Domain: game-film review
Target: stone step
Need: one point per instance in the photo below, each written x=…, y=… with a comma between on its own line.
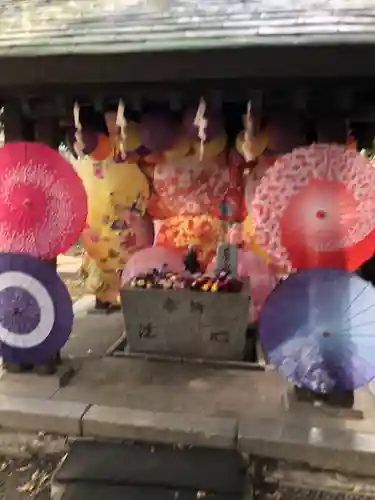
x=296, y=481
x=104, y=491
x=211, y=470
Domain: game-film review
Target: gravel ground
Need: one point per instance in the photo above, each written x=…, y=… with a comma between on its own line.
x=27, y=462
x=26, y=479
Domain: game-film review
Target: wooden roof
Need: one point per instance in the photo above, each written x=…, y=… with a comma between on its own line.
x=87, y=27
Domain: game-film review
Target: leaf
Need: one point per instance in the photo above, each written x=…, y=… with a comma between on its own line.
x=4, y=466
x=24, y=468
x=27, y=487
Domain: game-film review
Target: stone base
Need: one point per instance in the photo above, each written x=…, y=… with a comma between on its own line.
x=292, y=403
x=186, y=323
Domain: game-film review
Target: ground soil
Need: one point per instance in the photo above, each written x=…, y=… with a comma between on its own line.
x=26, y=479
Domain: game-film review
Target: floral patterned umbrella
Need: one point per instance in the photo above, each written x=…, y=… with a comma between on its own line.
x=113, y=245
x=316, y=208
x=43, y=204
x=190, y=186
x=203, y=231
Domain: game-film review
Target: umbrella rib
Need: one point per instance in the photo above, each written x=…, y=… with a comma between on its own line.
x=359, y=313
x=356, y=298
x=359, y=335
x=354, y=326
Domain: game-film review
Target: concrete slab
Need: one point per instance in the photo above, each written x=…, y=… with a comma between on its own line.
x=200, y=390
x=293, y=404
x=326, y=448
x=175, y=387
x=139, y=385
x=68, y=265
x=31, y=414
x=31, y=385
x=154, y=427
x=84, y=305
x=92, y=336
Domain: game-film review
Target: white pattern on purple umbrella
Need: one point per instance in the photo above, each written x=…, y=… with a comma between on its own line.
x=36, y=312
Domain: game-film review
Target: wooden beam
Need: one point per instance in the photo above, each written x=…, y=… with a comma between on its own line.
x=283, y=62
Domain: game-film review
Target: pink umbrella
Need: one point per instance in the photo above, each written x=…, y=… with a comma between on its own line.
x=43, y=203
x=235, y=234
x=152, y=258
x=140, y=232
x=261, y=279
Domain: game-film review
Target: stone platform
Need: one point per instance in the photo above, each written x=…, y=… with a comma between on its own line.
x=182, y=403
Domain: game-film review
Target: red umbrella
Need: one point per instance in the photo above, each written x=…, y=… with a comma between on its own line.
x=316, y=208
x=43, y=204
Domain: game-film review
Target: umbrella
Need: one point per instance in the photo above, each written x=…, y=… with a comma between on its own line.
x=112, y=246
x=158, y=131
x=36, y=311
x=203, y=231
x=180, y=149
x=242, y=234
x=317, y=329
x=212, y=148
x=258, y=143
x=255, y=176
x=152, y=258
x=43, y=204
x=252, y=267
x=111, y=187
x=190, y=186
x=315, y=207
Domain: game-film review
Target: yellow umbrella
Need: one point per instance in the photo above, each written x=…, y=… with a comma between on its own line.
x=111, y=187
x=104, y=284
x=249, y=241
x=179, y=150
x=112, y=246
x=105, y=247
x=212, y=148
x=99, y=204
x=258, y=143
x=127, y=186
x=133, y=139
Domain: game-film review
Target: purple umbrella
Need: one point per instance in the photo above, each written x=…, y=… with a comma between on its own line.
x=317, y=328
x=158, y=131
x=141, y=151
x=89, y=138
x=36, y=311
